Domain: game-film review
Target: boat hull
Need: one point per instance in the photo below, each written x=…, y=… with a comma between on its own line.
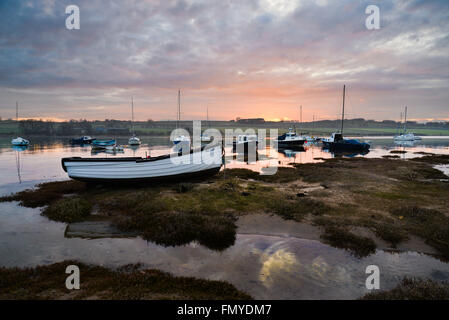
x=135, y=169
x=103, y=143
x=81, y=141
x=291, y=143
x=345, y=146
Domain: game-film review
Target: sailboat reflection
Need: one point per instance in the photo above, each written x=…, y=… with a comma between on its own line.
x=17, y=151
x=404, y=143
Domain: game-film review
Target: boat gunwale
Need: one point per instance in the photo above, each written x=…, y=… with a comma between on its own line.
x=133, y=159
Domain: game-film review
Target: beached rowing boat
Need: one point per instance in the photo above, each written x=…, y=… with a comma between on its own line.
x=178, y=167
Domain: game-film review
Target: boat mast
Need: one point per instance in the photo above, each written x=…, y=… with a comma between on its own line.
x=405, y=120
x=343, y=113
x=17, y=118
x=300, y=117
x=178, y=116
x=132, y=115
x=313, y=124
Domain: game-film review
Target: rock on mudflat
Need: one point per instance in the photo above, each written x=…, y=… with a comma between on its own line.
x=95, y=230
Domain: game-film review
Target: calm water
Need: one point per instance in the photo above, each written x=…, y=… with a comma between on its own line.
x=277, y=265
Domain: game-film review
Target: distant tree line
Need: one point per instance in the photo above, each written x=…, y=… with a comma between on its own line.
x=150, y=127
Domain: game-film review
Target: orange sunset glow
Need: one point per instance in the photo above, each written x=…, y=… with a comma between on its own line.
x=236, y=59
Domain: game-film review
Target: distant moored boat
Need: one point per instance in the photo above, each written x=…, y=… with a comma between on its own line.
x=406, y=136
x=83, y=140
x=19, y=141
x=337, y=143
x=290, y=139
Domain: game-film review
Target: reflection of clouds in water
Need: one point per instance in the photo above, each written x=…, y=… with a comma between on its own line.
x=319, y=267
x=277, y=266
x=323, y=273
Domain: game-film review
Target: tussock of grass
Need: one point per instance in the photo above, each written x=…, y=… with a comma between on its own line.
x=341, y=238
x=128, y=282
x=178, y=228
x=45, y=193
x=413, y=289
x=432, y=225
x=68, y=210
x=434, y=159
x=390, y=233
x=297, y=209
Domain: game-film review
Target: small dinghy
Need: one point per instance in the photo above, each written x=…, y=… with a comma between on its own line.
x=102, y=144
x=178, y=167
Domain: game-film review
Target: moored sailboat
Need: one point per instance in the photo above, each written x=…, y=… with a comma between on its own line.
x=406, y=136
x=337, y=142
x=133, y=141
x=19, y=141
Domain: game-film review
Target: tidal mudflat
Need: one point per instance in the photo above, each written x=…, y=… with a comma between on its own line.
x=307, y=232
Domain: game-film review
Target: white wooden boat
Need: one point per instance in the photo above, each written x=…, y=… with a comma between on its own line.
x=197, y=163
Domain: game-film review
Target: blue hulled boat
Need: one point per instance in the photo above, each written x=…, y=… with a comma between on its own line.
x=103, y=143
x=83, y=140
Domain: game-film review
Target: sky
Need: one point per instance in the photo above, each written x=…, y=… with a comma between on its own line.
x=242, y=58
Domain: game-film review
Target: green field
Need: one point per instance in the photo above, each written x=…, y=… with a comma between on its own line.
x=164, y=128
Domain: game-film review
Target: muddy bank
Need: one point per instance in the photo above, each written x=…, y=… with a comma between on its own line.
x=97, y=283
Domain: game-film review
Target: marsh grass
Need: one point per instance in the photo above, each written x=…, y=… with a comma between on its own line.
x=432, y=225
x=413, y=289
x=341, y=238
x=68, y=210
x=128, y=282
x=297, y=209
x=45, y=193
x=433, y=159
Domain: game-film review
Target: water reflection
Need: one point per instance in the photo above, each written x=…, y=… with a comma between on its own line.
x=41, y=161
x=17, y=151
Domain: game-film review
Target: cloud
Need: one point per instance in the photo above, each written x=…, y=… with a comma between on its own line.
x=239, y=58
